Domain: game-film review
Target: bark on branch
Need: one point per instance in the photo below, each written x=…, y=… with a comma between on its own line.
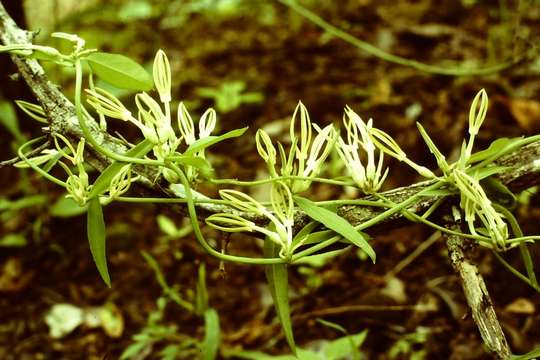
x=477, y=295
x=523, y=171
x=524, y=164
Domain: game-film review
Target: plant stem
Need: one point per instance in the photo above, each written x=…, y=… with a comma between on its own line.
x=370, y=49
x=200, y=237
x=279, y=178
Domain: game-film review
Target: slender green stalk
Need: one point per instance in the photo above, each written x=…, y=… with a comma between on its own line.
x=157, y=200
x=36, y=168
x=397, y=207
x=279, y=178
x=359, y=202
x=523, y=249
x=367, y=47
x=425, y=221
x=199, y=235
x=516, y=272
x=313, y=249
x=432, y=208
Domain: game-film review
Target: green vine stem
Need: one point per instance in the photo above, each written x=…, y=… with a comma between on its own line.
x=34, y=167
x=199, y=235
x=375, y=51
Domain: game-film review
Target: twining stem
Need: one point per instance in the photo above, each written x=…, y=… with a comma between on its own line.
x=514, y=271
x=280, y=178
x=39, y=170
x=199, y=235
x=373, y=221
x=158, y=200
x=375, y=51
x=523, y=249
x=397, y=207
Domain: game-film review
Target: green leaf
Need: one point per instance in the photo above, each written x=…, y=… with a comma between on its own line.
x=303, y=234
x=345, y=346
x=319, y=236
x=278, y=282
x=201, y=297
x=66, y=207
x=166, y=225
x=497, y=146
x=134, y=350
x=135, y=10
x=103, y=182
x=332, y=325
x=13, y=240
x=8, y=117
x=96, y=238
x=488, y=171
x=203, y=143
x=120, y=71
x=336, y=223
x=25, y=202
x=258, y=355
x=340, y=348
x=211, y=340
x=195, y=161
x=170, y=352
x=534, y=354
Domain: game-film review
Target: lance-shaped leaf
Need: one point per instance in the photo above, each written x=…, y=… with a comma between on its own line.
x=336, y=223
x=120, y=71
x=203, y=143
x=497, y=147
x=96, y=238
x=212, y=336
x=195, y=161
x=441, y=159
x=278, y=282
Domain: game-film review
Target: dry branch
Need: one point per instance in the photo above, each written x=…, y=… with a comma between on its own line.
x=523, y=172
x=477, y=295
x=524, y=164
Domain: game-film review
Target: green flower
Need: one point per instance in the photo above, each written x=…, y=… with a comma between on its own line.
x=281, y=217
x=370, y=177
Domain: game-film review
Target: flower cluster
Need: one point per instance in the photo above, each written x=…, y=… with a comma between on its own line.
x=77, y=185
x=370, y=177
x=305, y=157
x=474, y=200
x=154, y=120
x=281, y=218
x=476, y=204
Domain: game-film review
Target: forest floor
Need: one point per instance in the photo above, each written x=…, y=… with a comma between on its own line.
x=416, y=311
